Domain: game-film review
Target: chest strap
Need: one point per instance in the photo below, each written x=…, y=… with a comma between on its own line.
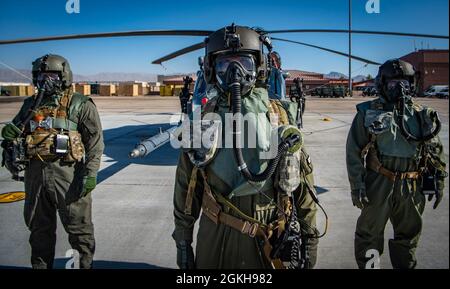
x=250, y=227
x=369, y=153
x=190, y=192
x=64, y=123
x=275, y=107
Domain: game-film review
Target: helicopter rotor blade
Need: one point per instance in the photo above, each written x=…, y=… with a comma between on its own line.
x=358, y=32
x=177, y=53
x=327, y=49
x=112, y=34
x=205, y=33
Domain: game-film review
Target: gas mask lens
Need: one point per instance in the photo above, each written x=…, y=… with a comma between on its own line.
x=246, y=62
x=393, y=84
x=47, y=76
x=232, y=68
x=49, y=82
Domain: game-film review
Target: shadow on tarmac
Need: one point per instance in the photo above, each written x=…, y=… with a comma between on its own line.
x=60, y=263
x=120, y=141
x=321, y=190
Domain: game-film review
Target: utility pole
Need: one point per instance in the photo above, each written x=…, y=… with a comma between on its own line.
x=350, y=82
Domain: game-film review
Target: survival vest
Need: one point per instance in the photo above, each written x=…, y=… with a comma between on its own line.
x=53, y=131
x=386, y=138
x=267, y=222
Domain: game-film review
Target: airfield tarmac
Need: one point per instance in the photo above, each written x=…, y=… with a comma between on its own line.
x=132, y=205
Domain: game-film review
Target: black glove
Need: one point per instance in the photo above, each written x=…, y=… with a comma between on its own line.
x=185, y=255
x=438, y=198
x=359, y=198
x=7, y=157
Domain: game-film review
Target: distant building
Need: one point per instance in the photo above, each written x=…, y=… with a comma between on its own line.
x=82, y=88
x=175, y=79
x=16, y=89
x=172, y=84
x=432, y=66
x=364, y=84
x=311, y=80
x=107, y=89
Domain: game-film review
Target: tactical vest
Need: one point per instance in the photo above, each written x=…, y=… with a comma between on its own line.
x=53, y=131
x=257, y=108
x=383, y=125
x=386, y=138
x=268, y=221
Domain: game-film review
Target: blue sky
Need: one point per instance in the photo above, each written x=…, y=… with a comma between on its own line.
x=26, y=18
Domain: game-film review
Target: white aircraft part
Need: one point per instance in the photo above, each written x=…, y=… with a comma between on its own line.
x=152, y=143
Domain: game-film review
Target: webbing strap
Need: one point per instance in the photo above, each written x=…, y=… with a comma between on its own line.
x=190, y=192
x=368, y=146
x=250, y=226
x=215, y=199
x=64, y=105
x=275, y=107
x=64, y=123
x=374, y=164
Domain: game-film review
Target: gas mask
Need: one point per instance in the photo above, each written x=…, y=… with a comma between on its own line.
x=396, y=88
x=50, y=83
x=230, y=68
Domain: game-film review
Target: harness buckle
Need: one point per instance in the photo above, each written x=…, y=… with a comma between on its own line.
x=396, y=175
x=249, y=229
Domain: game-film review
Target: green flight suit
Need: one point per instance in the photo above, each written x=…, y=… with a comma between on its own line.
x=402, y=202
x=55, y=186
x=220, y=246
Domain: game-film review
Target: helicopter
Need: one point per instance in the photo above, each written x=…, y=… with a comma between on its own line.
x=266, y=36
x=276, y=75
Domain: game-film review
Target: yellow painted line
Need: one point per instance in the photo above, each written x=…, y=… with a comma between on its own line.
x=12, y=197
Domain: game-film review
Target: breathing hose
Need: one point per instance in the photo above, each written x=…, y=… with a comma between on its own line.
x=407, y=134
x=21, y=125
x=236, y=102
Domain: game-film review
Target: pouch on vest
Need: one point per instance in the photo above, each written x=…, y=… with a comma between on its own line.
x=289, y=172
x=76, y=147
x=53, y=135
x=429, y=182
x=41, y=144
x=378, y=121
x=390, y=141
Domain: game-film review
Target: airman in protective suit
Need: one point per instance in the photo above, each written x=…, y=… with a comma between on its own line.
x=276, y=81
x=57, y=139
x=394, y=159
x=257, y=212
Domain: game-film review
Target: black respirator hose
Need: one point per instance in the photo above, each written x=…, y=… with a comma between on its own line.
x=237, y=131
x=36, y=104
x=407, y=134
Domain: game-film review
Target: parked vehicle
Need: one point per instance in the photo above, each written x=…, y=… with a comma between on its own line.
x=369, y=91
x=340, y=91
x=434, y=90
x=443, y=93
x=4, y=92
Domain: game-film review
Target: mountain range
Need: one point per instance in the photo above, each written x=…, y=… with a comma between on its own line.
x=338, y=75
x=11, y=76
x=24, y=76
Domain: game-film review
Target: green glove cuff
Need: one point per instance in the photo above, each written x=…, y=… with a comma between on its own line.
x=10, y=132
x=89, y=184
